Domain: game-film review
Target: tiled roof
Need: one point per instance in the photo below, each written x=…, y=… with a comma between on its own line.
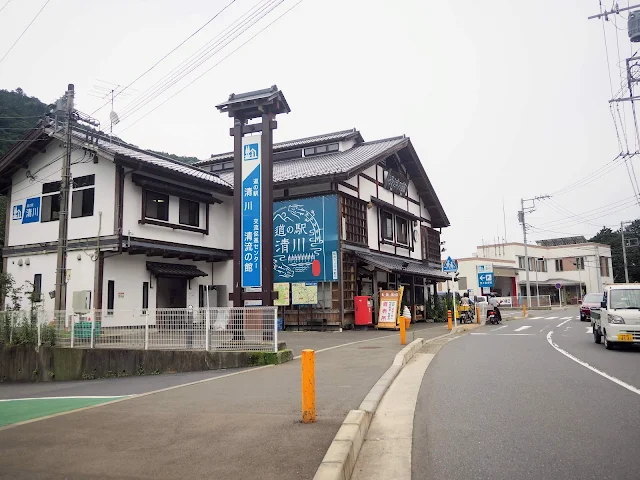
x=330, y=163
x=401, y=265
x=175, y=270
x=119, y=148
x=289, y=144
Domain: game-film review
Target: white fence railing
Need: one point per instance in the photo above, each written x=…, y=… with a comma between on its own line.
x=248, y=328
x=518, y=302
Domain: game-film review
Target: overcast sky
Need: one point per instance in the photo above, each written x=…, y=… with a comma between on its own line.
x=501, y=99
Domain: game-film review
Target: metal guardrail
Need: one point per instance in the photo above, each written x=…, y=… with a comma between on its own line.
x=222, y=329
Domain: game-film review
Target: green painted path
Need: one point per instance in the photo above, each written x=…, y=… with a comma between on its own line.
x=19, y=410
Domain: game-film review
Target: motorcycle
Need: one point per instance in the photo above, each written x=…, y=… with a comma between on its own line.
x=492, y=317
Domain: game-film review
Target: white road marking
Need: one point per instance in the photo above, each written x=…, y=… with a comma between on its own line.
x=524, y=327
x=631, y=388
x=551, y=318
x=535, y=318
x=516, y=334
x=478, y=333
x=544, y=328
x=589, y=329
x=560, y=324
x=66, y=398
x=499, y=328
x=565, y=318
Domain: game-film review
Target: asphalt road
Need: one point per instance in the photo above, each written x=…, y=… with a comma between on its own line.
x=242, y=425
x=502, y=402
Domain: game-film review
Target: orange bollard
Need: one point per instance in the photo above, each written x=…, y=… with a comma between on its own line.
x=308, y=386
x=403, y=331
x=524, y=310
x=477, y=314
x=449, y=319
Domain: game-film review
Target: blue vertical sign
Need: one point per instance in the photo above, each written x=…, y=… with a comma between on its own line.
x=251, y=212
x=31, y=210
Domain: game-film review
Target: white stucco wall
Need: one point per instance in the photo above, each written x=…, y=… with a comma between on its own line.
x=81, y=274
x=83, y=227
x=220, y=218
x=130, y=271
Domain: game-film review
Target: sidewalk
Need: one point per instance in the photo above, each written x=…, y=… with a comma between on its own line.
x=237, y=426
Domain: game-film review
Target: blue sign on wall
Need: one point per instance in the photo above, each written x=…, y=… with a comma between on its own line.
x=27, y=213
x=251, y=212
x=305, y=239
x=485, y=279
x=31, y=210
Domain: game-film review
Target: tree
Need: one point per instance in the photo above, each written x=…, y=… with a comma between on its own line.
x=613, y=238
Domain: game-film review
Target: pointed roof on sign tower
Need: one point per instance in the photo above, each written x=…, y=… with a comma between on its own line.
x=253, y=104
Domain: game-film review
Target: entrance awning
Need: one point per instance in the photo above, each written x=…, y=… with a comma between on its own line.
x=175, y=270
x=401, y=265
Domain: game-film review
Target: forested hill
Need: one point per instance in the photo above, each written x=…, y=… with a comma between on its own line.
x=18, y=113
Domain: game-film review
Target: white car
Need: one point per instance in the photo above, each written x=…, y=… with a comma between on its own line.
x=618, y=319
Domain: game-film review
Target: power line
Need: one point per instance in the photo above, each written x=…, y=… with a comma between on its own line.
x=216, y=64
x=200, y=57
x=595, y=175
x=25, y=30
x=5, y=6
x=173, y=50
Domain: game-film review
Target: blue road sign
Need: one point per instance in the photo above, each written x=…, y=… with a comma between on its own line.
x=449, y=266
x=485, y=280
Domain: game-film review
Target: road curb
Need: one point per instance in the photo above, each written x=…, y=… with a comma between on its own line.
x=340, y=459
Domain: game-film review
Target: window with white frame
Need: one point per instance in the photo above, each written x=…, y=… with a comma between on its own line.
x=386, y=221
x=50, y=209
x=402, y=230
x=83, y=196
x=559, y=265
x=520, y=262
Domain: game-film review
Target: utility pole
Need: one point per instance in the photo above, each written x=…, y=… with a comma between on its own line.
x=521, y=218
x=61, y=264
x=624, y=254
x=599, y=269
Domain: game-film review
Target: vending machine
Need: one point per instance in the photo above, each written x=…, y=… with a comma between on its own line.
x=364, y=310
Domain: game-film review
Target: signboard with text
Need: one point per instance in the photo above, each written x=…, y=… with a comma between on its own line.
x=304, y=293
x=485, y=280
x=251, y=212
x=305, y=239
x=27, y=213
x=389, y=311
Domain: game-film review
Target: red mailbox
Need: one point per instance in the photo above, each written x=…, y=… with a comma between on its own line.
x=364, y=310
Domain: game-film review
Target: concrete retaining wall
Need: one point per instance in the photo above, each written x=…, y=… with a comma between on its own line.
x=30, y=364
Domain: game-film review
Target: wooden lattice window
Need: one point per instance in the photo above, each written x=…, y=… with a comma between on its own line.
x=430, y=245
x=354, y=213
x=349, y=281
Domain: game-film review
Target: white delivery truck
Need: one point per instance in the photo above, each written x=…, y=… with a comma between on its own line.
x=618, y=319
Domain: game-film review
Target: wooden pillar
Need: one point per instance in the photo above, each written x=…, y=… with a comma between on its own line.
x=236, y=294
x=267, y=208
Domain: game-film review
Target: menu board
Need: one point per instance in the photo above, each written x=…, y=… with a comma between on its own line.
x=389, y=308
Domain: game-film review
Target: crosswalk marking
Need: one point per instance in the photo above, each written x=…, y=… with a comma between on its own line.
x=524, y=327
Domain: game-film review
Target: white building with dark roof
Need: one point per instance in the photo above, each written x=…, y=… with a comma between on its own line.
x=388, y=218
x=144, y=231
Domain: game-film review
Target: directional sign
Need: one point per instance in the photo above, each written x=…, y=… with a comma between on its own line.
x=485, y=280
x=449, y=266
